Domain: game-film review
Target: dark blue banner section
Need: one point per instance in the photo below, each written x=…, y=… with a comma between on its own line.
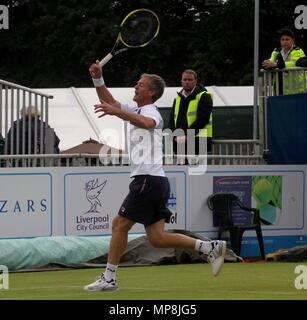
x=287, y=129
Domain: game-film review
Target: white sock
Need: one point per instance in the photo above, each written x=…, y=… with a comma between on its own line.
x=204, y=246
x=110, y=272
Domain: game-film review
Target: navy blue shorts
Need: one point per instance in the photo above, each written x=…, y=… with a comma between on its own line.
x=147, y=200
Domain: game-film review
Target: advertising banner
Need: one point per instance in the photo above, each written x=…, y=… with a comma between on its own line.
x=25, y=205
x=82, y=201
x=241, y=187
x=177, y=201
x=92, y=200
x=279, y=196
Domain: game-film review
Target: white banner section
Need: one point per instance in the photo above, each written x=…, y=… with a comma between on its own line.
x=91, y=200
x=25, y=205
x=82, y=201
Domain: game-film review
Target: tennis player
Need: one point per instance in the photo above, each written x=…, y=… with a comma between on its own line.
x=149, y=190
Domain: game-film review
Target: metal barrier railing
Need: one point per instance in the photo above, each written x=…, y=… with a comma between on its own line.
x=236, y=152
x=236, y=147
x=224, y=152
x=88, y=160
x=284, y=81
x=14, y=99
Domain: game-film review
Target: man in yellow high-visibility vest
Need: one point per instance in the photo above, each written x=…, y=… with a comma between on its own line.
x=192, y=109
x=286, y=57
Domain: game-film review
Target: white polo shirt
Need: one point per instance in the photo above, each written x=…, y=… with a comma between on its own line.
x=145, y=146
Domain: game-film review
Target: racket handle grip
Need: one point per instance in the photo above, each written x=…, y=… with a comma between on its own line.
x=106, y=59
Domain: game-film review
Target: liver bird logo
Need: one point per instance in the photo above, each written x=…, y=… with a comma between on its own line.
x=93, y=190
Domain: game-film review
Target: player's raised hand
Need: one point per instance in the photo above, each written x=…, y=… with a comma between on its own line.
x=95, y=70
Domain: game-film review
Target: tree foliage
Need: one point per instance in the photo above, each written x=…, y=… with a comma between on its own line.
x=52, y=43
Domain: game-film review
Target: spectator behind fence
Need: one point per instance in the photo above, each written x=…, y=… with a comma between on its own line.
x=29, y=116
x=192, y=109
x=286, y=57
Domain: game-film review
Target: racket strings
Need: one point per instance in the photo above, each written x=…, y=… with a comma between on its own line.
x=139, y=28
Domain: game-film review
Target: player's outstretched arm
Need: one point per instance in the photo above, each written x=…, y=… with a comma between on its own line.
x=136, y=119
x=101, y=89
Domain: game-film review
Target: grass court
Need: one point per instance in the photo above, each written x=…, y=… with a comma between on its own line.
x=237, y=281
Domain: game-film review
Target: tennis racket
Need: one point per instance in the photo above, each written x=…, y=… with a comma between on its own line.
x=137, y=30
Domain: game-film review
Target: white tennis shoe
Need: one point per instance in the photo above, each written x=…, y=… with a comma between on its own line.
x=101, y=284
x=216, y=256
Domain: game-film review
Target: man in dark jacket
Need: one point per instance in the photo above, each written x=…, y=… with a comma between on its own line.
x=21, y=140
x=192, y=109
